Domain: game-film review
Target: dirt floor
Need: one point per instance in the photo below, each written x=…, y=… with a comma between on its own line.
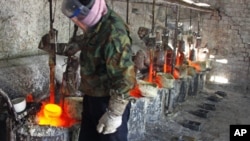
x=231, y=109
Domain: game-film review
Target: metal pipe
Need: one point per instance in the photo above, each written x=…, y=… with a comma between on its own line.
x=198, y=28
x=127, y=17
x=166, y=35
x=52, y=55
x=166, y=3
x=190, y=19
x=175, y=39
x=153, y=17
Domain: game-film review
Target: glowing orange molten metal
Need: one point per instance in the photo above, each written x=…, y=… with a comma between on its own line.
x=158, y=81
x=52, y=114
x=135, y=92
x=52, y=111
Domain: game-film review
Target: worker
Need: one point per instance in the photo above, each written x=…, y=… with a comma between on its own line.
x=106, y=68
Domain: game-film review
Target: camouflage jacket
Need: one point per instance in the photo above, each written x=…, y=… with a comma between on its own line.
x=106, y=58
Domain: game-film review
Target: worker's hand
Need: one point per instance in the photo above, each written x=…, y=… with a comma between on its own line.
x=109, y=123
x=112, y=119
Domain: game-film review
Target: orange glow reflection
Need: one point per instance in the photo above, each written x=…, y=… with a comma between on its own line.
x=135, y=92
x=195, y=65
x=176, y=73
x=158, y=81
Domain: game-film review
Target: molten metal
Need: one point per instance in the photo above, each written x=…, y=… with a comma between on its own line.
x=52, y=111
x=52, y=114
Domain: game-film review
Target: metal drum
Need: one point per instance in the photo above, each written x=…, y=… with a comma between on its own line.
x=42, y=133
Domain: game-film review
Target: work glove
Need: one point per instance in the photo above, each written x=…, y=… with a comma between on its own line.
x=112, y=119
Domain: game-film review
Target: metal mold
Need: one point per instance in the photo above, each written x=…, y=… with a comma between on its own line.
x=214, y=98
x=207, y=106
x=220, y=93
x=193, y=125
x=201, y=113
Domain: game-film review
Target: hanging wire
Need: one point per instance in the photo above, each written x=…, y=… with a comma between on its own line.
x=145, y=13
x=69, y=28
x=54, y=9
x=166, y=19
x=153, y=18
x=190, y=21
x=175, y=37
x=198, y=34
x=127, y=15
x=52, y=14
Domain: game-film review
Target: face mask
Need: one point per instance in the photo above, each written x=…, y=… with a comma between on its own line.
x=82, y=14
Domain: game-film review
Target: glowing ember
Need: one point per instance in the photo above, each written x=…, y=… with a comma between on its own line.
x=29, y=98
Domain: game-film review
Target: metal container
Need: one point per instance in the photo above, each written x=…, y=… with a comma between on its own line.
x=19, y=104
x=167, y=80
x=42, y=133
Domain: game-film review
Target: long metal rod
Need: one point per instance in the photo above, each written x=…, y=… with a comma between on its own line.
x=51, y=15
x=153, y=18
x=166, y=35
x=166, y=3
x=190, y=19
x=127, y=17
x=52, y=56
x=175, y=38
x=198, y=27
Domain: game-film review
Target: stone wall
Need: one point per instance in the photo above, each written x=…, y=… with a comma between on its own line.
x=227, y=36
x=23, y=76
x=23, y=22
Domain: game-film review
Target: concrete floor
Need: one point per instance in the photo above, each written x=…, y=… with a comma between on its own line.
x=232, y=109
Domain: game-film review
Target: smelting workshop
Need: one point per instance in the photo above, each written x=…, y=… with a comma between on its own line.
x=124, y=70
